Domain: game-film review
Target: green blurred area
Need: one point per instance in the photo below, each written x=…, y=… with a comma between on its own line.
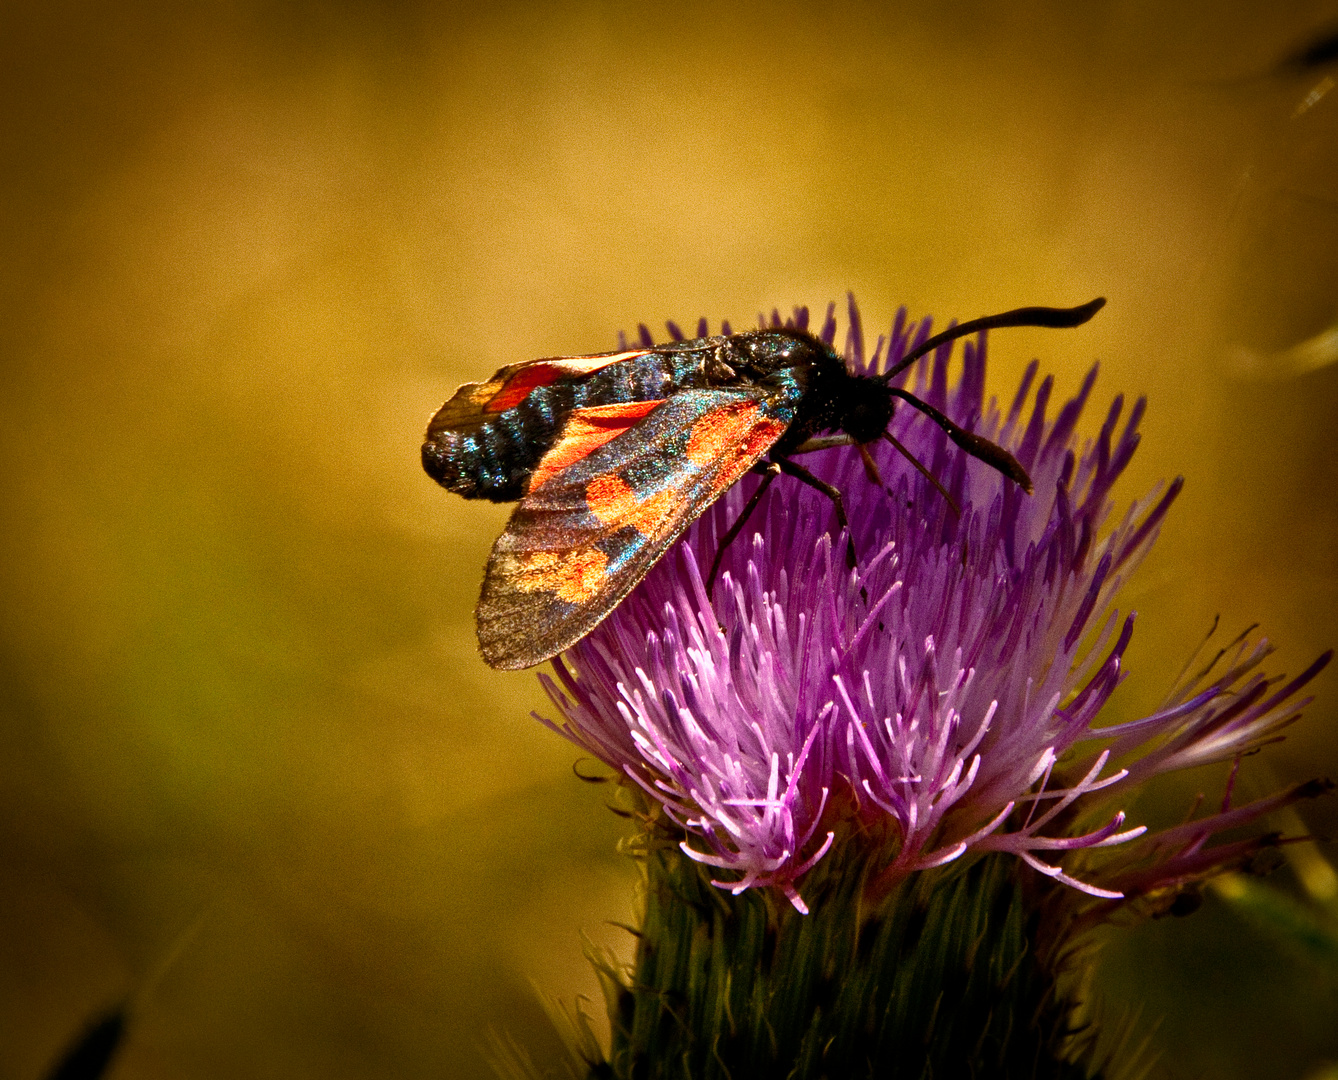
x=248, y=249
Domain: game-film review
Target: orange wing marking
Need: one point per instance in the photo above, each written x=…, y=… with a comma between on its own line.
x=545, y=372
x=721, y=441
x=573, y=577
x=612, y=500
x=725, y=442
x=587, y=430
x=726, y=435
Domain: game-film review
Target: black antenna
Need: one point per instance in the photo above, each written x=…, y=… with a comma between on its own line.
x=1052, y=318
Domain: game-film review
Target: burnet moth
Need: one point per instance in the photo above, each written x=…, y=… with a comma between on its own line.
x=613, y=455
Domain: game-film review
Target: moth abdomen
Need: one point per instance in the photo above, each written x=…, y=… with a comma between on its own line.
x=492, y=460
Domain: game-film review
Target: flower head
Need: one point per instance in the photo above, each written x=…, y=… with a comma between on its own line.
x=941, y=696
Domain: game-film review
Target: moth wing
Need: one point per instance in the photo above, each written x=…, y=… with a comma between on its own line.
x=582, y=540
x=475, y=404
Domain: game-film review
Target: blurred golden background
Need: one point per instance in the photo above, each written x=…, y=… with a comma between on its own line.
x=253, y=774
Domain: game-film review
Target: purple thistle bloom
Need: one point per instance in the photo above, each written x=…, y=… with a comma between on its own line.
x=941, y=696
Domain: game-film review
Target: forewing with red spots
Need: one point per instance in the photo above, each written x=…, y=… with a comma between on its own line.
x=585, y=431
x=590, y=529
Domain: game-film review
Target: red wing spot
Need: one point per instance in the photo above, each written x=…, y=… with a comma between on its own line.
x=731, y=432
x=546, y=372
x=585, y=431
x=518, y=387
x=617, y=505
x=727, y=440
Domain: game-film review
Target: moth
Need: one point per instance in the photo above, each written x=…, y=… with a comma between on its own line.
x=613, y=455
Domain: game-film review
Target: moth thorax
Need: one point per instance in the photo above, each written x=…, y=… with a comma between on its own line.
x=868, y=410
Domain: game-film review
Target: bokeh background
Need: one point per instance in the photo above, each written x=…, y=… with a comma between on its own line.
x=253, y=777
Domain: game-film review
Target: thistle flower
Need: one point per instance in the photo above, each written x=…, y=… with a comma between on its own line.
x=942, y=696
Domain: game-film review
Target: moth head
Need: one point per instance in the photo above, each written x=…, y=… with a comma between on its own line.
x=867, y=412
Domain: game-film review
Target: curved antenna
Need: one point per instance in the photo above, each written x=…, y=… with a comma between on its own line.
x=1053, y=318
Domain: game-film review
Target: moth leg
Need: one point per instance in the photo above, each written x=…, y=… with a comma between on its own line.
x=769, y=473
x=923, y=471
x=800, y=473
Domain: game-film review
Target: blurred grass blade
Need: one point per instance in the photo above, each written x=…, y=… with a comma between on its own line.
x=89, y=1057
x=1301, y=926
